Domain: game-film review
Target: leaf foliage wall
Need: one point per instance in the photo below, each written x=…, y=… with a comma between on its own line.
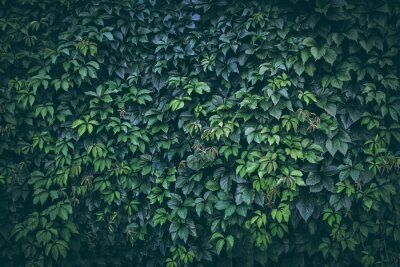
x=199, y=133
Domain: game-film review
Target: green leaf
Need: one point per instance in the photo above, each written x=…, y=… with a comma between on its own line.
x=222, y=205
x=330, y=108
x=298, y=68
x=312, y=179
x=230, y=210
x=296, y=173
x=220, y=244
x=77, y=123
x=330, y=56
x=318, y=53
x=330, y=147
x=182, y=212
x=305, y=208
x=81, y=130
x=305, y=55
x=108, y=35
x=343, y=74
x=309, y=41
x=230, y=242
x=83, y=72
x=310, y=68
x=251, y=167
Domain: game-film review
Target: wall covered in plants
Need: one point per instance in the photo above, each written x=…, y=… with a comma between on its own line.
x=199, y=133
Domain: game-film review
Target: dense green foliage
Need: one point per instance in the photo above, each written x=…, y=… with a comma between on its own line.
x=199, y=133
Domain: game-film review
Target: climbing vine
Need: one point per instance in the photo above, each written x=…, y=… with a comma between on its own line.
x=199, y=133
